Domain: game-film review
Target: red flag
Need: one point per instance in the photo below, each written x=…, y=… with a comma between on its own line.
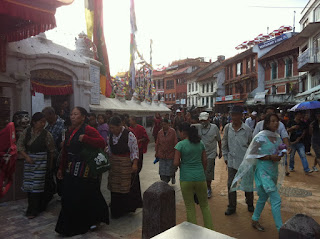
x=99, y=41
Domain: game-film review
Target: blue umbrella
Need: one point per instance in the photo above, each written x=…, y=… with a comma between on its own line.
x=308, y=105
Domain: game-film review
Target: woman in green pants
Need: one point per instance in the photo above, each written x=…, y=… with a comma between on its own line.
x=190, y=155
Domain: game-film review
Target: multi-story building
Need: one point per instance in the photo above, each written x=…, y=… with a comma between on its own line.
x=281, y=73
x=241, y=79
x=206, y=84
x=175, y=80
x=158, y=80
x=309, y=52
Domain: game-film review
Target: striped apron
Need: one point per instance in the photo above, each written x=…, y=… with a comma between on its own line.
x=35, y=174
x=120, y=174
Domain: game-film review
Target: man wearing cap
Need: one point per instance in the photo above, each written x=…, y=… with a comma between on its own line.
x=235, y=142
x=252, y=121
x=210, y=136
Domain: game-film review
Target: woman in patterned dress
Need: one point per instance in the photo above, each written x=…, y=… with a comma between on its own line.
x=124, y=181
x=83, y=206
x=37, y=147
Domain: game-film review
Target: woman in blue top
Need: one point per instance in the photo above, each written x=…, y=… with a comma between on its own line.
x=261, y=163
x=190, y=155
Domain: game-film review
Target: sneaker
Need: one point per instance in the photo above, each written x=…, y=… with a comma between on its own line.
x=291, y=170
x=309, y=172
x=308, y=153
x=209, y=193
x=315, y=169
x=257, y=225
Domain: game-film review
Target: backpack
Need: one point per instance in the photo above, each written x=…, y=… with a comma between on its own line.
x=8, y=157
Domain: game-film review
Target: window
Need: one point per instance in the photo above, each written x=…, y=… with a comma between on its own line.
x=173, y=97
x=230, y=90
x=196, y=101
x=274, y=71
x=316, y=48
x=207, y=87
x=202, y=100
x=239, y=69
x=305, y=23
x=166, y=96
x=192, y=86
x=288, y=88
x=274, y=90
x=189, y=87
x=170, y=84
x=248, y=66
x=169, y=97
x=196, y=86
x=162, y=84
x=203, y=86
x=211, y=86
x=288, y=67
x=227, y=73
x=317, y=14
x=248, y=90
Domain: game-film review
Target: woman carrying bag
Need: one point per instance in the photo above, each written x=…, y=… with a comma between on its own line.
x=83, y=205
x=262, y=164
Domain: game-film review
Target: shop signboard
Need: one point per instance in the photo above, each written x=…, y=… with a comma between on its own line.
x=273, y=41
x=95, y=80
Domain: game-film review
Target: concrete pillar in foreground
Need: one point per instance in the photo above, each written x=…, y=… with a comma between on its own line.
x=300, y=226
x=159, y=209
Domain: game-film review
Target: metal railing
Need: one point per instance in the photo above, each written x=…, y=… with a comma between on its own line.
x=309, y=56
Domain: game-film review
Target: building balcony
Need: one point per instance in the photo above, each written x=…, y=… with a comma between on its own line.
x=309, y=60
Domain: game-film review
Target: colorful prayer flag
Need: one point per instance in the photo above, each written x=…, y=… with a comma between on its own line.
x=94, y=19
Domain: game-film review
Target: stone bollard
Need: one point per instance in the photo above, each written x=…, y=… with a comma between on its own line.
x=159, y=209
x=300, y=227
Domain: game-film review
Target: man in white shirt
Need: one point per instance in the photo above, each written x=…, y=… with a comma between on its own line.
x=210, y=136
x=252, y=121
x=235, y=142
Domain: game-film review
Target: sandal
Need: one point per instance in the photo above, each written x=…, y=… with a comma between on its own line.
x=256, y=225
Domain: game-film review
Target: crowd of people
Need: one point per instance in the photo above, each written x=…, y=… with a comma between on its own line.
x=55, y=147
x=253, y=145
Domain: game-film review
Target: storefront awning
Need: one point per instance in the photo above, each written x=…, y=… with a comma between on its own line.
x=314, y=90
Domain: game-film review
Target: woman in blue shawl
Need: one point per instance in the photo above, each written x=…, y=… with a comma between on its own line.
x=262, y=163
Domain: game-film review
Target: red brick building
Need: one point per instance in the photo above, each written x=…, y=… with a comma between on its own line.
x=175, y=80
x=241, y=79
x=281, y=72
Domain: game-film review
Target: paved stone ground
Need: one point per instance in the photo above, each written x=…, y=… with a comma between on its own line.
x=18, y=226
x=300, y=195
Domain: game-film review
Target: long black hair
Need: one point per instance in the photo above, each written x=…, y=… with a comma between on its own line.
x=36, y=117
x=116, y=121
x=191, y=131
x=82, y=110
x=267, y=120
